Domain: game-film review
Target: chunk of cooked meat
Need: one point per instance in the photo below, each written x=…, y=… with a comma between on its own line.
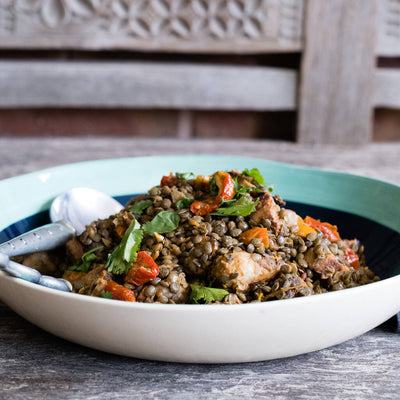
x=267, y=208
x=74, y=249
x=43, y=261
x=237, y=270
x=326, y=266
x=76, y=278
x=95, y=281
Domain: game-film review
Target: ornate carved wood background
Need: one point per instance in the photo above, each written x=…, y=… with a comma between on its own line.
x=162, y=25
x=205, y=26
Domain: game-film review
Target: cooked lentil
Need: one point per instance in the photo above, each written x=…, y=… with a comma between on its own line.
x=205, y=249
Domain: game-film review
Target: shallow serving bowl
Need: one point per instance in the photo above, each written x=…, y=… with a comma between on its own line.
x=361, y=207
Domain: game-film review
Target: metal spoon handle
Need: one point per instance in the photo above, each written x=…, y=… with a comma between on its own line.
x=45, y=238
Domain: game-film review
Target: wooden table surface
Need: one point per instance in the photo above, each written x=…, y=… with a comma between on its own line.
x=37, y=365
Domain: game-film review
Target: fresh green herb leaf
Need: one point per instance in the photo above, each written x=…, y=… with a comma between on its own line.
x=241, y=207
x=206, y=294
x=213, y=187
x=184, y=202
x=241, y=189
x=185, y=175
x=86, y=261
x=106, y=295
x=254, y=173
x=125, y=253
x=163, y=222
x=140, y=206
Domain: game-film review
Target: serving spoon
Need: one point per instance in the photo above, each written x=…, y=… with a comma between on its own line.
x=70, y=212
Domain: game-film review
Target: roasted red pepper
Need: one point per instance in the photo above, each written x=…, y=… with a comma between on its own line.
x=330, y=231
x=352, y=258
x=203, y=207
x=119, y=292
x=225, y=185
x=226, y=191
x=168, y=180
x=143, y=270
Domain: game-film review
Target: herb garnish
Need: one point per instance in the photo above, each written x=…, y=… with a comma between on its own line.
x=125, y=253
x=254, y=173
x=106, y=295
x=184, y=202
x=185, y=175
x=242, y=189
x=242, y=207
x=163, y=222
x=140, y=206
x=206, y=294
x=86, y=261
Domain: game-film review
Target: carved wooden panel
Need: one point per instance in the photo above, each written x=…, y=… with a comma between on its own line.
x=162, y=25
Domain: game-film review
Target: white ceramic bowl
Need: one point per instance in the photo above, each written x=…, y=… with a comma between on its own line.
x=206, y=333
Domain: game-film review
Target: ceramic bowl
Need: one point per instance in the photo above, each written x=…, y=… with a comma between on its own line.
x=361, y=207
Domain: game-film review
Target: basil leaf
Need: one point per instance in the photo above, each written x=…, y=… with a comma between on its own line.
x=206, y=294
x=254, y=173
x=185, y=175
x=106, y=295
x=140, y=206
x=86, y=261
x=184, y=202
x=241, y=207
x=163, y=222
x=125, y=253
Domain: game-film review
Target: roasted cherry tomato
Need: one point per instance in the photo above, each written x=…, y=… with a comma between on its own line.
x=168, y=180
x=143, y=270
x=119, y=292
x=226, y=191
x=202, y=207
x=330, y=231
x=225, y=185
x=352, y=258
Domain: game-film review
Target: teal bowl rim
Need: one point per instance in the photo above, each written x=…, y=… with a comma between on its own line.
x=336, y=190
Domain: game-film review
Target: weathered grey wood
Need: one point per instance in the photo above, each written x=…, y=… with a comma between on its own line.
x=337, y=72
x=387, y=88
x=37, y=365
x=22, y=155
x=145, y=85
x=388, y=40
x=192, y=26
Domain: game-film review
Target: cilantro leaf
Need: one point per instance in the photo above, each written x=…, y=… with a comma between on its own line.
x=125, y=253
x=254, y=173
x=241, y=207
x=140, y=206
x=241, y=189
x=185, y=175
x=184, y=202
x=86, y=261
x=206, y=294
x=106, y=295
x=163, y=222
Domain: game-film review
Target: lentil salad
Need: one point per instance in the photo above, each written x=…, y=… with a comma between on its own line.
x=220, y=238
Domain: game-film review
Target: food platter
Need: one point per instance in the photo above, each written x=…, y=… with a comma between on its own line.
x=212, y=333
